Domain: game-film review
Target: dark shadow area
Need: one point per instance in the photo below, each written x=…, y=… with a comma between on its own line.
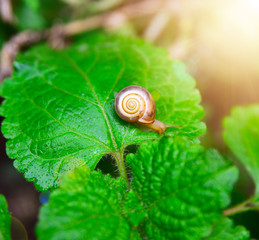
x=107, y=165
x=250, y=221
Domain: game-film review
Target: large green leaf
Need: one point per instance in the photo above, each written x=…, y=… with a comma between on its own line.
x=182, y=187
x=241, y=133
x=86, y=207
x=5, y=220
x=59, y=105
x=225, y=230
x=178, y=192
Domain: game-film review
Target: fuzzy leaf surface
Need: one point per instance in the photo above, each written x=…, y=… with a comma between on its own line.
x=59, y=105
x=86, y=206
x=5, y=220
x=226, y=230
x=178, y=193
x=182, y=187
x=241, y=133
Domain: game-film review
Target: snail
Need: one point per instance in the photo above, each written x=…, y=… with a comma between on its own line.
x=135, y=104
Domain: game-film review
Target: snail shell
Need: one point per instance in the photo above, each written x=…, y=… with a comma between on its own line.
x=135, y=104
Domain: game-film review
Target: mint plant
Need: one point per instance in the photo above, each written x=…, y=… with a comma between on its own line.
x=5, y=220
x=241, y=133
x=177, y=191
x=60, y=121
x=70, y=95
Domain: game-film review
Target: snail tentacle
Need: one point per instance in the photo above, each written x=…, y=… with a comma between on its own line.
x=135, y=104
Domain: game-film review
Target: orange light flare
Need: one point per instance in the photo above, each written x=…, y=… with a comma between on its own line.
x=228, y=39
x=219, y=42
x=220, y=36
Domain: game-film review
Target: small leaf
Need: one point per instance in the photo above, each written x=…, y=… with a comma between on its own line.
x=5, y=220
x=241, y=134
x=86, y=206
x=225, y=230
x=60, y=104
x=182, y=187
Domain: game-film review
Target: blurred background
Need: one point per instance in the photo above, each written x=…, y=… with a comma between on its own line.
x=218, y=40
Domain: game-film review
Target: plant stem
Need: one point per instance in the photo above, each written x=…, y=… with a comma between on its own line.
x=6, y=11
x=58, y=32
x=247, y=205
x=121, y=166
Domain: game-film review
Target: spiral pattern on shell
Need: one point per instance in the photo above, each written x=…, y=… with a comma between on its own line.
x=135, y=104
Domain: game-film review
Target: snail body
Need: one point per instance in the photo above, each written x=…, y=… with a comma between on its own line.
x=135, y=104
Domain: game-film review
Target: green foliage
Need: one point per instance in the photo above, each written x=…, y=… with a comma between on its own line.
x=5, y=220
x=225, y=230
x=182, y=186
x=60, y=121
x=241, y=133
x=86, y=207
x=178, y=192
x=59, y=105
